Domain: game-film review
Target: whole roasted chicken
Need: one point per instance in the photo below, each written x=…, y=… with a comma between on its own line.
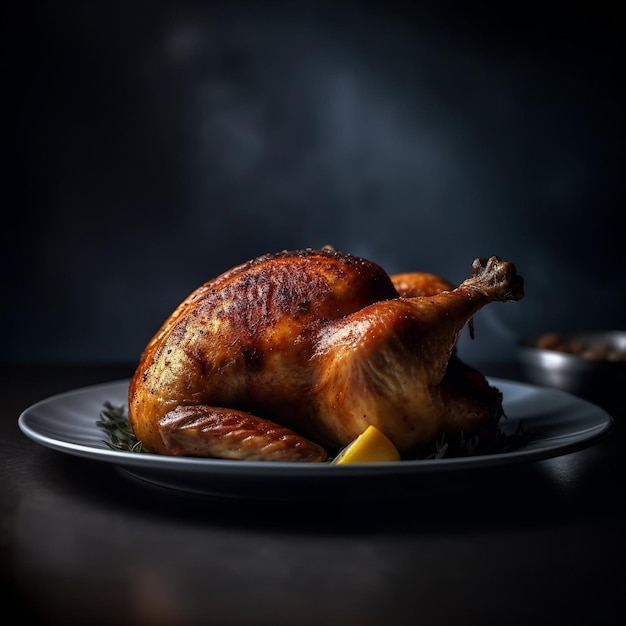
x=290, y=356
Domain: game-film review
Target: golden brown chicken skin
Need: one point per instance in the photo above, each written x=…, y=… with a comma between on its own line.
x=291, y=355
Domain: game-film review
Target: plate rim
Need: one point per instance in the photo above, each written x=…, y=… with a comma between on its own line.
x=222, y=468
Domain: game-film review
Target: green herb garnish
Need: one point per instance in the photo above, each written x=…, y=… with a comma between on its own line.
x=114, y=421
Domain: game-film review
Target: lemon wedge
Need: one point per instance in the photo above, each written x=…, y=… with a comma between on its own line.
x=371, y=446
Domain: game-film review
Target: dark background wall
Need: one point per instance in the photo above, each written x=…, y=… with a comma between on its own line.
x=153, y=145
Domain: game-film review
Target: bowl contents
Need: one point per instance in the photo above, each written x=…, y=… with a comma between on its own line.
x=596, y=348
x=294, y=355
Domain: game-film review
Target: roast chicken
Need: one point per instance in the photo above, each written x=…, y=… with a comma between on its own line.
x=290, y=356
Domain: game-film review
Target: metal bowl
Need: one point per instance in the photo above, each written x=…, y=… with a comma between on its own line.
x=590, y=364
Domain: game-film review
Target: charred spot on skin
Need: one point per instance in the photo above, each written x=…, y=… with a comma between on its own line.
x=254, y=358
x=178, y=332
x=283, y=298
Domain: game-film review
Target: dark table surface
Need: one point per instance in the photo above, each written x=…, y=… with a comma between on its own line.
x=540, y=542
